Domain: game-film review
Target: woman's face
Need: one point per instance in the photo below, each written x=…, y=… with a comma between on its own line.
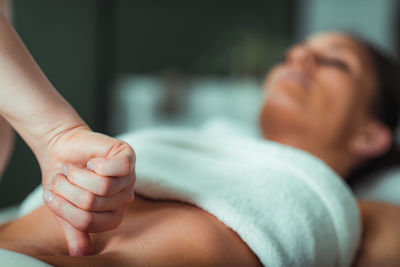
x=323, y=87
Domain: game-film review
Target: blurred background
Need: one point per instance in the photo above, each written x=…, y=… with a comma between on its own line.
x=129, y=64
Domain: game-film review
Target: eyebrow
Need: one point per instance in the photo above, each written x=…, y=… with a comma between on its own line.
x=351, y=50
x=348, y=48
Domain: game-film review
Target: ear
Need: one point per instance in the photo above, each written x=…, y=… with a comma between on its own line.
x=373, y=140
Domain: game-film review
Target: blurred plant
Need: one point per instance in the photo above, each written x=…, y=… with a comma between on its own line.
x=243, y=52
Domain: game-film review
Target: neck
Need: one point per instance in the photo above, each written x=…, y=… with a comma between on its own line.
x=333, y=155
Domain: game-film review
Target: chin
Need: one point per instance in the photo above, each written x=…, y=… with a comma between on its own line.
x=284, y=102
x=287, y=95
x=283, y=114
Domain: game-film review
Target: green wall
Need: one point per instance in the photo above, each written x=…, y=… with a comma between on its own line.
x=80, y=45
x=61, y=37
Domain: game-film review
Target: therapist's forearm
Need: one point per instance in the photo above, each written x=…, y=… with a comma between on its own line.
x=5, y=8
x=28, y=101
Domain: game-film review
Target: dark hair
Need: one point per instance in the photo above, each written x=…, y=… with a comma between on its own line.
x=385, y=107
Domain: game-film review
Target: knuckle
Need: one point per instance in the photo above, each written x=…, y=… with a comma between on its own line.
x=104, y=187
x=58, y=183
x=126, y=166
x=73, y=176
x=86, y=222
x=88, y=201
x=131, y=157
x=129, y=148
x=70, y=171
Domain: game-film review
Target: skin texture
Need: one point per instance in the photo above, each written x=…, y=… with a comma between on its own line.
x=61, y=140
x=313, y=104
x=88, y=177
x=318, y=99
x=94, y=187
x=381, y=234
x=5, y=8
x=7, y=135
x=152, y=234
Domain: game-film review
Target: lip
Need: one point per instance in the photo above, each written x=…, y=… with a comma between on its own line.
x=297, y=77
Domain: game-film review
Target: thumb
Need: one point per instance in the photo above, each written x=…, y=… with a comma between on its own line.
x=79, y=243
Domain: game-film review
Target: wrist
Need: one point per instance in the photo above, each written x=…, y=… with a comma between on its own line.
x=62, y=131
x=48, y=126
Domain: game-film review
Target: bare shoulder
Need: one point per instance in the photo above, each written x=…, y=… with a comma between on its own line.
x=151, y=234
x=381, y=234
x=196, y=238
x=175, y=234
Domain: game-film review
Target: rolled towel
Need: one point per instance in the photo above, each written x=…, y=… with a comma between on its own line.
x=288, y=206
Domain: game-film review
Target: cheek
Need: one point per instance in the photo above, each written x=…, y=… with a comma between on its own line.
x=335, y=98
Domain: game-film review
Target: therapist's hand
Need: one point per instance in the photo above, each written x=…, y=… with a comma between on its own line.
x=99, y=176
x=88, y=180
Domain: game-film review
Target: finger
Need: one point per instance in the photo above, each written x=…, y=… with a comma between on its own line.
x=113, y=166
x=88, y=201
x=47, y=181
x=97, y=184
x=84, y=221
x=79, y=243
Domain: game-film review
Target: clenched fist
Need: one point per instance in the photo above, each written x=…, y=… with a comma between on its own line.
x=88, y=181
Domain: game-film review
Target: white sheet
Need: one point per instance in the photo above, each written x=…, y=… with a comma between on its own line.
x=13, y=259
x=381, y=186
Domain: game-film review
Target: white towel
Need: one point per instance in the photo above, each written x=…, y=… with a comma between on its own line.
x=288, y=206
x=382, y=185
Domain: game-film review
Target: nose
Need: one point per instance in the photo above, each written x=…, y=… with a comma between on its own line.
x=302, y=57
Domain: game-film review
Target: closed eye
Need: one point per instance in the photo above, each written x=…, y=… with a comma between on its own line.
x=323, y=60
x=334, y=62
